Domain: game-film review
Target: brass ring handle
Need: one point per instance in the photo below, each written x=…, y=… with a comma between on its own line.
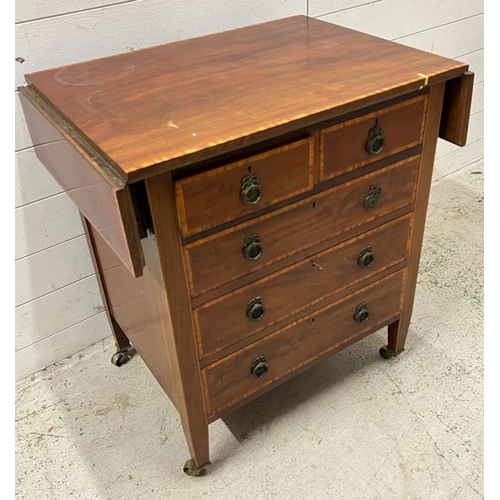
x=366, y=257
x=251, y=190
x=372, y=197
x=376, y=141
x=259, y=367
x=252, y=247
x=361, y=314
x=256, y=309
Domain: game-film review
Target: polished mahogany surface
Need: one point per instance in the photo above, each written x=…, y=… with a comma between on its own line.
x=290, y=291
x=229, y=380
x=343, y=146
x=281, y=173
x=156, y=109
x=218, y=259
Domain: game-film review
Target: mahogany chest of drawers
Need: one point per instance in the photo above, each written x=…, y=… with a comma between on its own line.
x=254, y=200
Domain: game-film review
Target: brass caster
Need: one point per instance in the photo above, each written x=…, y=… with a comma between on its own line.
x=122, y=356
x=387, y=353
x=191, y=470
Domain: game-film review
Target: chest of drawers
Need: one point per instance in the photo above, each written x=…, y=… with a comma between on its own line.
x=254, y=200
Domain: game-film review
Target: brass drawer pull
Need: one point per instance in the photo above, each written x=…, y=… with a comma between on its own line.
x=372, y=197
x=252, y=247
x=366, y=257
x=361, y=315
x=256, y=309
x=251, y=191
x=259, y=367
x=376, y=141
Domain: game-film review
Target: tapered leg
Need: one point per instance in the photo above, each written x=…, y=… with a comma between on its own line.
x=179, y=331
x=125, y=350
x=196, y=432
x=397, y=338
x=398, y=331
x=121, y=340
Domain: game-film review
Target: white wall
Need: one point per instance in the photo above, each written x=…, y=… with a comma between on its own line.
x=58, y=307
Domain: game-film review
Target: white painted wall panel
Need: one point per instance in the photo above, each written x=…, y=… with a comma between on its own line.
x=322, y=7
x=22, y=136
x=33, y=182
x=29, y=11
x=110, y=30
x=477, y=98
x=60, y=345
x=476, y=63
x=55, y=311
x=476, y=127
x=51, y=269
x=393, y=19
x=46, y=223
x=471, y=154
x=450, y=40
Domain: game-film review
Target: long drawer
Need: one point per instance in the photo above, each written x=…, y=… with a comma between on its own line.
x=210, y=198
x=221, y=258
x=252, y=308
x=250, y=371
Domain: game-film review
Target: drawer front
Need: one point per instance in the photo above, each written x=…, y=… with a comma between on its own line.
x=219, y=259
x=208, y=199
x=368, y=138
x=252, y=308
x=230, y=380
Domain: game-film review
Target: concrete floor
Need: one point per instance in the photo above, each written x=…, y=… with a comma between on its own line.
x=352, y=427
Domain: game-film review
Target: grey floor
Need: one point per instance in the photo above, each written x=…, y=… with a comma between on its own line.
x=352, y=427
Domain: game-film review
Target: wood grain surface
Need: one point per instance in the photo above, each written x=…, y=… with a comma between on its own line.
x=159, y=108
x=456, y=109
x=121, y=339
x=343, y=146
x=87, y=179
x=285, y=294
x=398, y=331
x=218, y=259
x=213, y=197
x=178, y=334
x=229, y=380
x=139, y=307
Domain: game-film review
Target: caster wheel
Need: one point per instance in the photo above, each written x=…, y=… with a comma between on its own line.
x=387, y=353
x=191, y=470
x=119, y=358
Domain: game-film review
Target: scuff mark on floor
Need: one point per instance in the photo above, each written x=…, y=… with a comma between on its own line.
x=123, y=404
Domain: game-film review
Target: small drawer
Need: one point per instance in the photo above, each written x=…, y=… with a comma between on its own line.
x=369, y=138
x=224, y=256
x=219, y=195
x=252, y=308
x=249, y=371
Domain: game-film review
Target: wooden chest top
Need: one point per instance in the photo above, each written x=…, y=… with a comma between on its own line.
x=156, y=109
